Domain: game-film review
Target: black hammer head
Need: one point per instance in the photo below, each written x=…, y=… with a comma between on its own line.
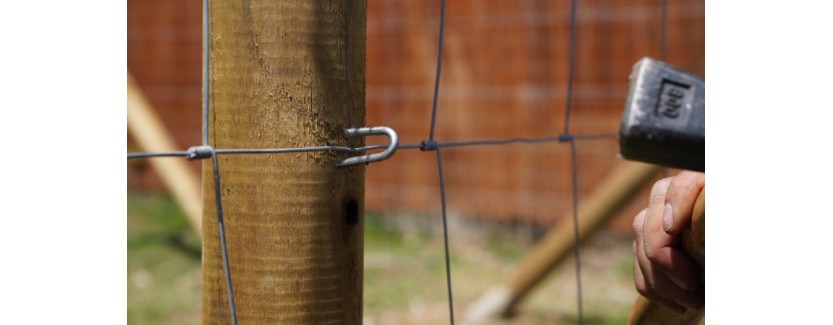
x=664, y=121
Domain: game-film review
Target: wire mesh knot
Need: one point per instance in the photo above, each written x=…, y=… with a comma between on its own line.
x=565, y=137
x=428, y=145
x=199, y=152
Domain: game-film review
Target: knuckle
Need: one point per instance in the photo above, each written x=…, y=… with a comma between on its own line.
x=692, y=176
x=652, y=284
x=650, y=287
x=660, y=188
x=643, y=290
x=686, y=184
x=651, y=252
x=638, y=222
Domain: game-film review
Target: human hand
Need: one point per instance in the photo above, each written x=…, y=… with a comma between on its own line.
x=663, y=272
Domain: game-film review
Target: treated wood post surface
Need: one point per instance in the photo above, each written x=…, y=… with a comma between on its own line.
x=286, y=74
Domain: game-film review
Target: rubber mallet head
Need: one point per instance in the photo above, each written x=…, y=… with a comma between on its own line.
x=664, y=121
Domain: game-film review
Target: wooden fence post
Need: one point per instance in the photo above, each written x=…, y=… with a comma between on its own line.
x=286, y=74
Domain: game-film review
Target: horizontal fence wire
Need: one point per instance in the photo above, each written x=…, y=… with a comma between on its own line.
x=205, y=151
x=450, y=144
x=424, y=146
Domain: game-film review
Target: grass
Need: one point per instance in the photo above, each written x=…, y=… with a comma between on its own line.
x=404, y=276
x=163, y=262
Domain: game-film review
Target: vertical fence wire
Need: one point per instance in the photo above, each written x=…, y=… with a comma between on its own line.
x=439, y=71
x=445, y=235
x=221, y=226
x=663, y=38
x=663, y=50
x=576, y=235
x=214, y=160
x=432, y=146
x=574, y=164
x=206, y=47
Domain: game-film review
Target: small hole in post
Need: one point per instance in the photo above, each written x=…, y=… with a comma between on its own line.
x=351, y=212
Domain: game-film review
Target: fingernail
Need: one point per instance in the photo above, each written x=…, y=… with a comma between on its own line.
x=667, y=217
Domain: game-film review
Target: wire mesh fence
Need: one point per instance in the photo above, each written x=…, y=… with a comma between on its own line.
x=431, y=141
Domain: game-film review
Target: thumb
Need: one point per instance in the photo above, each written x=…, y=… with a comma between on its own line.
x=679, y=201
x=670, y=224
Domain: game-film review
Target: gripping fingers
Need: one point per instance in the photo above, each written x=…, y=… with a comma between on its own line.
x=668, y=272
x=656, y=286
x=653, y=236
x=644, y=290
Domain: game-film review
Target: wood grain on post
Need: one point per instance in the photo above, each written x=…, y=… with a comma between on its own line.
x=645, y=312
x=286, y=74
x=598, y=208
x=149, y=132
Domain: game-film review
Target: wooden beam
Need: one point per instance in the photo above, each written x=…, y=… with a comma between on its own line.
x=286, y=74
x=151, y=136
x=610, y=196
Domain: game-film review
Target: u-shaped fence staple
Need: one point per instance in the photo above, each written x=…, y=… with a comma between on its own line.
x=371, y=130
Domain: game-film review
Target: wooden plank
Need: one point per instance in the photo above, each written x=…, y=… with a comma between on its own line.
x=610, y=196
x=151, y=136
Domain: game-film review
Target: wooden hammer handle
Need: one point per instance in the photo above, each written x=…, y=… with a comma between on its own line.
x=694, y=243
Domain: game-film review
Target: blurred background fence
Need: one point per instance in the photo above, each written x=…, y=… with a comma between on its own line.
x=505, y=75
